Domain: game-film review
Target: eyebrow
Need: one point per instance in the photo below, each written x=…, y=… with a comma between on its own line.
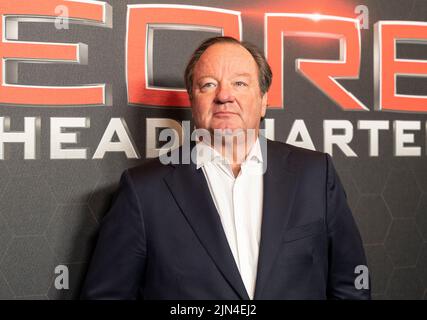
x=244, y=74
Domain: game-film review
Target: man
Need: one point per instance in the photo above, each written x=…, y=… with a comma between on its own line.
x=219, y=227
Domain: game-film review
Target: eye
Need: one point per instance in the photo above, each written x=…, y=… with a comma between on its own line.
x=208, y=85
x=241, y=84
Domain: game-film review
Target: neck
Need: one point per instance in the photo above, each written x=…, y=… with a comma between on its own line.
x=235, y=149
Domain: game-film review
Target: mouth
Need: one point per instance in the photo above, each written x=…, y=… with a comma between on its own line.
x=224, y=114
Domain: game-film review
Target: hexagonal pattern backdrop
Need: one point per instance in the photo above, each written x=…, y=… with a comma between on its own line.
x=50, y=210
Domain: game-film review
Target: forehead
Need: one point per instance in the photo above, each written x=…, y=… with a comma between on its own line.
x=226, y=57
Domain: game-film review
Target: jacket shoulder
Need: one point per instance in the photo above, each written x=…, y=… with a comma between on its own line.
x=149, y=170
x=298, y=153
x=298, y=159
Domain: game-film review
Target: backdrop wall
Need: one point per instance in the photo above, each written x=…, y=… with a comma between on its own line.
x=63, y=148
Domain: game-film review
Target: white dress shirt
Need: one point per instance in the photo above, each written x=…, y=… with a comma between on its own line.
x=238, y=201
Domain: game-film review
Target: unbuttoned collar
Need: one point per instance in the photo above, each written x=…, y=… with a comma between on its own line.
x=205, y=154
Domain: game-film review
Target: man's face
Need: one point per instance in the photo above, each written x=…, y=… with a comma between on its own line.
x=226, y=92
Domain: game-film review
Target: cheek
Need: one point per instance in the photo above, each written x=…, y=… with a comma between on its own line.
x=252, y=106
x=201, y=110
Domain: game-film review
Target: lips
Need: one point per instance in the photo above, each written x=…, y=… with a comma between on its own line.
x=224, y=114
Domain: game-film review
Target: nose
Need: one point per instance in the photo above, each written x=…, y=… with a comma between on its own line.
x=224, y=94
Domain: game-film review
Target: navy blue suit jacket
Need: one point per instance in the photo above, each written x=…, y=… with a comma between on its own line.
x=163, y=238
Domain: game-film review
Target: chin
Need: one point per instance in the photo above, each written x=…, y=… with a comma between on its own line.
x=225, y=131
x=226, y=126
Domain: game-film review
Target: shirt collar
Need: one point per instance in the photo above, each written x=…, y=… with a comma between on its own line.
x=205, y=154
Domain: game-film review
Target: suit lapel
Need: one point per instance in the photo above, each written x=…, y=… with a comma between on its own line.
x=189, y=188
x=279, y=192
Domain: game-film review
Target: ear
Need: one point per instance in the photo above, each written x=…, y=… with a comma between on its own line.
x=263, y=105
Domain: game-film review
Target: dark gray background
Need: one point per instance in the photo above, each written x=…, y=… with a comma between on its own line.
x=50, y=209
